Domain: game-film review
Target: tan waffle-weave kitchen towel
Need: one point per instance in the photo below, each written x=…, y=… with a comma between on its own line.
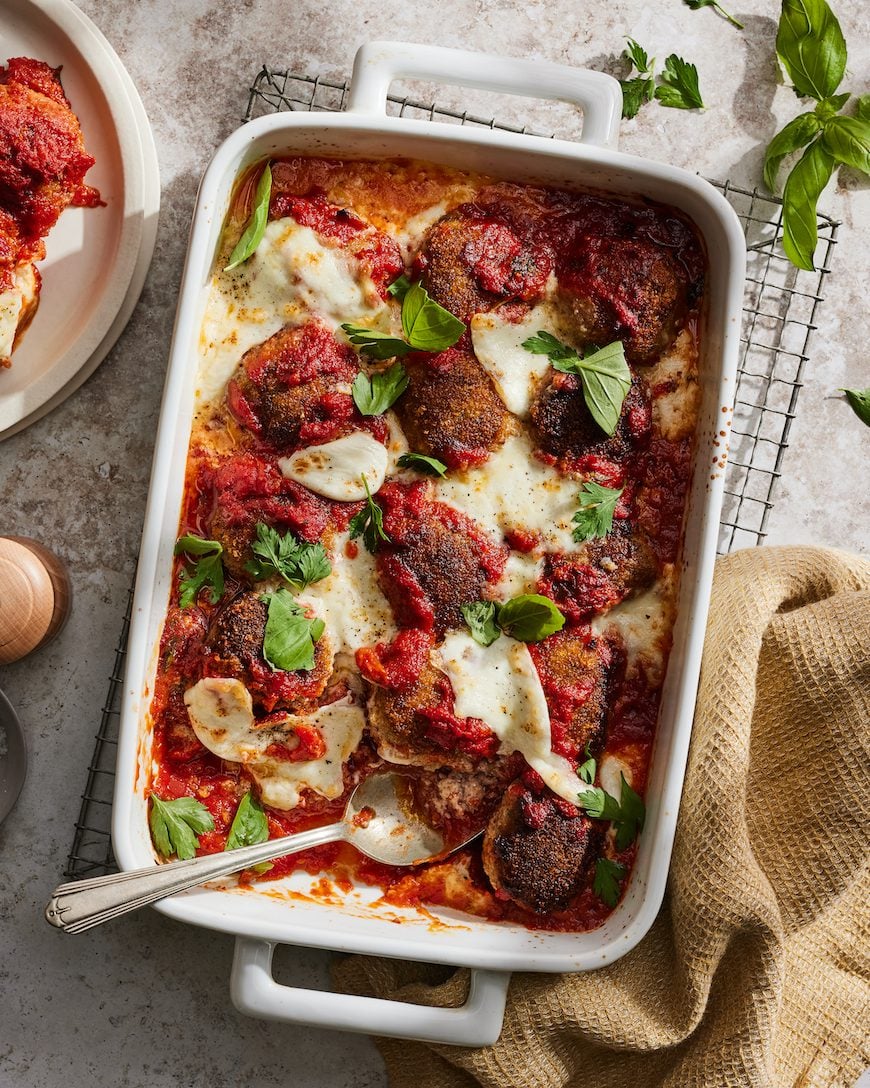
x=755, y=974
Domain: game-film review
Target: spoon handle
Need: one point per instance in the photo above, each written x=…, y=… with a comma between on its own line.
x=82, y=904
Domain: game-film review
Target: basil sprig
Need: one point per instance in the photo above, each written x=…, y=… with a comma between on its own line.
x=208, y=569
x=812, y=50
x=256, y=228
x=250, y=824
x=595, y=516
x=607, y=880
x=527, y=618
x=859, y=402
x=426, y=325
x=290, y=635
x=177, y=824
x=374, y=395
x=603, y=373
x=278, y=555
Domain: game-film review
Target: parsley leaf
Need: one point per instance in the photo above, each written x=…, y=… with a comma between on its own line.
x=679, y=87
x=796, y=134
x=632, y=814
x=696, y=5
x=859, y=401
x=586, y=770
x=376, y=394
x=635, y=92
x=595, y=516
x=256, y=228
x=430, y=466
x=399, y=287
x=428, y=326
x=177, y=824
x=250, y=824
x=376, y=345
x=638, y=56
x=482, y=620
x=288, y=642
x=599, y=804
x=811, y=47
x=604, y=375
x=530, y=617
x=299, y=563
x=369, y=522
x=607, y=880
x=208, y=569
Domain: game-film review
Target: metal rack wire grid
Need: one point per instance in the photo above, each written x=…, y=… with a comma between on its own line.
x=780, y=309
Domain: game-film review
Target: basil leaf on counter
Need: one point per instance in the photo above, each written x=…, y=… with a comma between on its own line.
x=805, y=183
x=428, y=326
x=862, y=109
x=429, y=466
x=176, y=825
x=607, y=881
x=793, y=137
x=811, y=47
x=848, y=140
x=376, y=345
x=256, y=228
x=530, y=618
x=595, y=516
x=208, y=569
x=696, y=5
x=279, y=555
x=679, y=87
x=250, y=824
x=374, y=395
x=290, y=636
x=482, y=620
x=369, y=522
x=859, y=401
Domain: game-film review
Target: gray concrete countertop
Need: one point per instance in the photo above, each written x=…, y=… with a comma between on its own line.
x=144, y=1002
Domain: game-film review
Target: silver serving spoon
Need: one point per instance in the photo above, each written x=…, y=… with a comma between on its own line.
x=378, y=821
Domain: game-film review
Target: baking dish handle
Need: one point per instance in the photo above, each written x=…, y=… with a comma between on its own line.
x=377, y=64
x=255, y=992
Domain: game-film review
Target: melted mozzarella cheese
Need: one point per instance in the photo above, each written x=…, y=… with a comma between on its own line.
x=514, y=490
x=500, y=685
x=416, y=227
x=350, y=602
x=498, y=344
x=521, y=572
x=643, y=623
x=673, y=379
x=337, y=468
x=14, y=303
x=291, y=276
x=609, y=775
x=222, y=716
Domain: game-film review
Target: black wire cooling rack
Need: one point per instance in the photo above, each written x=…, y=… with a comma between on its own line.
x=779, y=314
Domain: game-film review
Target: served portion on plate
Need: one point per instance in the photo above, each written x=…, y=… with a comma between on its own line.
x=433, y=516
x=43, y=163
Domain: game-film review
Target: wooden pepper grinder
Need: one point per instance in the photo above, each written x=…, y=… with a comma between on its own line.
x=35, y=596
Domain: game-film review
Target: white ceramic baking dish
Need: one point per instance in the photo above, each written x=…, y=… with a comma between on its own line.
x=271, y=913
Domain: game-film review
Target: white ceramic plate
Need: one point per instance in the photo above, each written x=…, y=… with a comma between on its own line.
x=97, y=258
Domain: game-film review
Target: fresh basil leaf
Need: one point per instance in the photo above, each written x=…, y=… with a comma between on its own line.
x=831, y=106
x=635, y=92
x=250, y=824
x=632, y=814
x=428, y=326
x=811, y=47
x=859, y=402
x=848, y=140
x=278, y=555
x=399, y=287
x=369, y=522
x=430, y=466
x=482, y=620
x=176, y=825
x=607, y=881
x=256, y=228
x=679, y=87
x=208, y=569
x=586, y=770
x=289, y=639
x=376, y=345
x=696, y=5
x=793, y=137
x=637, y=55
x=374, y=395
x=808, y=177
x=595, y=516
x=862, y=108
x=530, y=618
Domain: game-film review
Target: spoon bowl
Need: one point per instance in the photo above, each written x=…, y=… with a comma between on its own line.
x=13, y=757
